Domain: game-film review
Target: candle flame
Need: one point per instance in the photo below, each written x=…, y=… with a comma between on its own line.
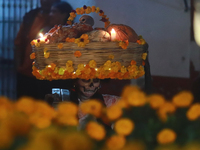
x=41, y=35
x=113, y=30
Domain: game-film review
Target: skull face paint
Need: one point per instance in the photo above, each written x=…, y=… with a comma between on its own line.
x=88, y=87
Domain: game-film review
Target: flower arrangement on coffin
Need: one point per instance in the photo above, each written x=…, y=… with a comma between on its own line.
x=139, y=122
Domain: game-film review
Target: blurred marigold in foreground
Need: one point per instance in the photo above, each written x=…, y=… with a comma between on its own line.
x=183, y=99
x=194, y=112
x=166, y=136
x=93, y=107
x=116, y=142
x=124, y=126
x=95, y=130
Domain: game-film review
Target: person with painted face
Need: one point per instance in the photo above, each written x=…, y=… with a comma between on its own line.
x=83, y=90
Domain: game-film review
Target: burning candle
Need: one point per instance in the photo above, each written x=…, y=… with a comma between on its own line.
x=113, y=35
x=42, y=38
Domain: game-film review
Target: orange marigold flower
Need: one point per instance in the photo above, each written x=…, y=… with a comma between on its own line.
x=70, y=40
x=60, y=45
x=67, y=108
x=77, y=54
x=124, y=126
x=88, y=10
x=133, y=62
x=95, y=130
x=67, y=120
x=166, y=109
x=93, y=107
x=61, y=71
x=32, y=56
x=144, y=56
x=114, y=112
x=97, y=10
x=116, y=142
x=123, y=44
x=92, y=63
x=93, y=8
x=156, y=100
x=72, y=14
x=166, y=136
x=183, y=99
x=82, y=41
x=194, y=112
x=136, y=98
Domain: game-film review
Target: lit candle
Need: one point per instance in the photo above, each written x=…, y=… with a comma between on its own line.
x=113, y=35
x=42, y=38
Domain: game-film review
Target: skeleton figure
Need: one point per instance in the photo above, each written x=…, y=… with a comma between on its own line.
x=87, y=88
x=86, y=19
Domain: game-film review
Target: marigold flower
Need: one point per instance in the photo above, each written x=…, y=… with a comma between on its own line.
x=81, y=66
x=25, y=104
x=97, y=9
x=92, y=63
x=69, y=62
x=95, y=130
x=77, y=54
x=40, y=122
x=156, y=100
x=61, y=71
x=123, y=44
x=32, y=56
x=133, y=62
x=193, y=112
x=93, y=8
x=116, y=142
x=60, y=45
x=144, y=56
x=114, y=112
x=33, y=42
x=166, y=136
x=88, y=10
x=67, y=120
x=183, y=99
x=82, y=41
x=71, y=18
x=92, y=106
x=166, y=109
x=78, y=11
x=72, y=14
x=67, y=108
x=124, y=126
x=7, y=138
x=70, y=40
x=136, y=98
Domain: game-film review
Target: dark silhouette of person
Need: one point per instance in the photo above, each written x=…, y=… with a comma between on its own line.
x=33, y=23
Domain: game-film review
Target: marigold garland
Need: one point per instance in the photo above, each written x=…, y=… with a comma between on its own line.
x=87, y=10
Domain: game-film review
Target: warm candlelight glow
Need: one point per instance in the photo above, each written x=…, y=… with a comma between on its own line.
x=43, y=38
x=41, y=35
x=113, y=35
